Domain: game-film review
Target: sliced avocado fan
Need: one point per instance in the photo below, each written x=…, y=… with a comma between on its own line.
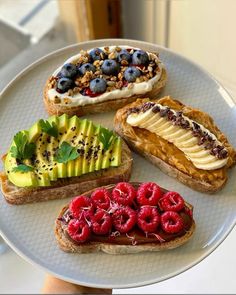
x=60, y=147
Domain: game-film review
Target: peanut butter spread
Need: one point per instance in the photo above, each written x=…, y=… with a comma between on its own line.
x=153, y=144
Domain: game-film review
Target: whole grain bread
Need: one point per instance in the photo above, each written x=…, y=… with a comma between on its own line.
x=197, y=179
x=68, y=245
x=54, y=108
x=68, y=187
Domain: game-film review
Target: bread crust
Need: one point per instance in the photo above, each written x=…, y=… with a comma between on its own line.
x=70, y=246
x=203, y=118
x=57, y=109
x=68, y=187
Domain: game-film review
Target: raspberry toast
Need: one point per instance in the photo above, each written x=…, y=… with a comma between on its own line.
x=138, y=217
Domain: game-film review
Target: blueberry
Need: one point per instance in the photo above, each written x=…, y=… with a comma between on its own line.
x=123, y=55
x=97, y=54
x=140, y=57
x=64, y=84
x=69, y=71
x=131, y=74
x=98, y=85
x=110, y=67
x=87, y=68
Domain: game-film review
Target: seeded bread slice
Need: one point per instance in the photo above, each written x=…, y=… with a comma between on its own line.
x=68, y=245
x=57, y=109
x=209, y=182
x=68, y=187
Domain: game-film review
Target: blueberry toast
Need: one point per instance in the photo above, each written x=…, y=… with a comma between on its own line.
x=103, y=79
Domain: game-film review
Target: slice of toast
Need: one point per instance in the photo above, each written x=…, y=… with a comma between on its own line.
x=68, y=187
x=119, y=88
x=68, y=245
x=167, y=156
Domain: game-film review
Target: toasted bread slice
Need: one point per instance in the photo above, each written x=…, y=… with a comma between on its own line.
x=54, y=108
x=68, y=245
x=167, y=156
x=68, y=187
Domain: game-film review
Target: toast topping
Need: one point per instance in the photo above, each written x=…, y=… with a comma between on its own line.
x=131, y=224
x=199, y=145
x=103, y=74
x=60, y=147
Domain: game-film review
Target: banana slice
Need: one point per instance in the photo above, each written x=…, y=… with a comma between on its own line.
x=138, y=119
x=198, y=154
x=204, y=160
x=157, y=123
x=170, y=130
x=161, y=128
x=187, y=143
x=174, y=136
x=213, y=165
x=151, y=120
x=192, y=149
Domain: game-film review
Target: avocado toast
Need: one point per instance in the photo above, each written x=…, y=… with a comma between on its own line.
x=62, y=157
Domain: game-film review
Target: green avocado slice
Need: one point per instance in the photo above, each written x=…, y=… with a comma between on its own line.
x=42, y=159
x=116, y=155
x=87, y=148
x=62, y=128
x=107, y=156
x=52, y=146
x=80, y=146
x=94, y=149
x=28, y=179
x=73, y=128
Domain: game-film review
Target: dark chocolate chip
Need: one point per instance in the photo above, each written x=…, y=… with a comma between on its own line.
x=156, y=109
x=147, y=106
x=170, y=115
x=196, y=126
x=222, y=154
x=164, y=112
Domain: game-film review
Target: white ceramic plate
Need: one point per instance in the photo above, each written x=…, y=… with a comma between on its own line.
x=29, y=228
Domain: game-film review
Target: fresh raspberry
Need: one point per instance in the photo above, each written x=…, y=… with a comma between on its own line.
x=124, y=194
x=171, y=222
x=101, y=222
x=79, y=230
x=101, y=198
x=124, y=219
x=148, y=219
x=80, y=204
x=172, y=201
x=148, y=193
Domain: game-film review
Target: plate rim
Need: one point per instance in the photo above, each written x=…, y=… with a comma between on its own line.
x=132, y=285
x=124, y=286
